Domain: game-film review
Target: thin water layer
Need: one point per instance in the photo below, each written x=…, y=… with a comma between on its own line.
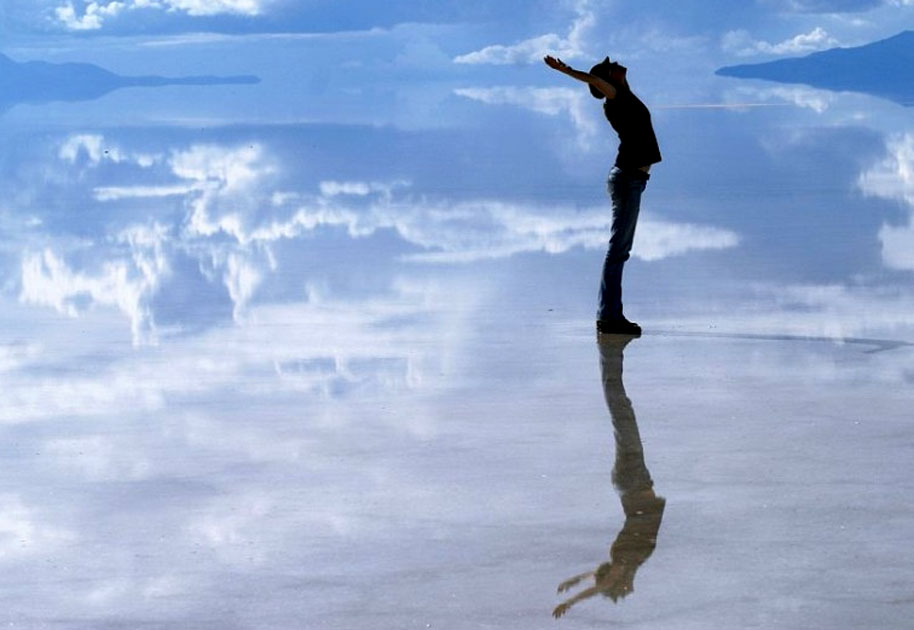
x=682, y=481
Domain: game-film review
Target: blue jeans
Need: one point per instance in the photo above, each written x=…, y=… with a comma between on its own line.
x=625, y=188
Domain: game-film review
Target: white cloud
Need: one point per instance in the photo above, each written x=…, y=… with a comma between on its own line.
x=21, y=533
x=235, y=214
x=87, y=16
x=229, y=186
x=230, y=524
x=230, y=170
x=211, y=7
x=527, y=51
x=817, y=100
x=460, y=232
x=98, y=458
x=741, y=43
x=331, y=188
x=842, y=311
x=328, y=347
x=13, y=356
x=893, y=178
x=226, y=191
x=658, y=239
x=241, y=278
x=185, y=39
x=91, y=17
x=551, y=101
x=826, y=312
x=97, y=151
x=830, y=7
x=92, y=145
x=898, y=245
x=116, y=193
x=115, y=592
x=509, y=229
x=534, y=49
x=126, y=282
x=544, y=100
x=802, y=96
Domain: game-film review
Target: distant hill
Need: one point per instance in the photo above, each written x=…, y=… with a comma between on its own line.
x=43, y=82
x=884, y=68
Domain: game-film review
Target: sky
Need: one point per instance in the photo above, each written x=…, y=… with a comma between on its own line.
x=482, y=33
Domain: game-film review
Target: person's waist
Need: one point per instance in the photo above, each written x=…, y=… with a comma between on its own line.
x=634, y=172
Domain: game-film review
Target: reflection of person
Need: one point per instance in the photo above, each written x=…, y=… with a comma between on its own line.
x=638, y=150
x=643, y=509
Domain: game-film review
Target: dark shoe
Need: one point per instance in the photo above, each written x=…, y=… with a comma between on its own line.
x=619, y=326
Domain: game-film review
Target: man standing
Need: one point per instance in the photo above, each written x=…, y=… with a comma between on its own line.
x=638, y=150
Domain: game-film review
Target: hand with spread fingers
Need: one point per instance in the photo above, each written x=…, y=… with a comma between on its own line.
x=556, y=64
x=560, y=610
x=567, y=584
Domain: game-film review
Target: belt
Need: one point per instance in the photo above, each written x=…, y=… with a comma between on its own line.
x=633, y=173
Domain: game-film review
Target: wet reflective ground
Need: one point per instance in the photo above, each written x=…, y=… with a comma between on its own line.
x=273, y=358
x=221, y=483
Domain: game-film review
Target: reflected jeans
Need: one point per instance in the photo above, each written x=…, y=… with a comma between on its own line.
x=625, y=188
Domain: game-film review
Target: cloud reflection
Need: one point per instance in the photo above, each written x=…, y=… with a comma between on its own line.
x=231, y=208
x=21, y=531
x=801, y=96
x=330, y=349
x=125, y=282
x=552, y=101
x=893, y=178
x=741, y=43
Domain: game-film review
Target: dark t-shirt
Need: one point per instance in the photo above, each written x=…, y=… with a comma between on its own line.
x=632, y=121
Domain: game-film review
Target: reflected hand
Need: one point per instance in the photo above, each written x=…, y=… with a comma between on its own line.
x=564, y=586
x=556, y=64
x=560, y=610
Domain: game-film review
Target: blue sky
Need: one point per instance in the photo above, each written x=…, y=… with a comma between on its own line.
x=762, y=26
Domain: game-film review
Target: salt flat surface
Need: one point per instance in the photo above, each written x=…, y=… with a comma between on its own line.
x=462, y=485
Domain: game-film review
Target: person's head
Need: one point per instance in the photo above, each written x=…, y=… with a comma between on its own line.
x=610, y=71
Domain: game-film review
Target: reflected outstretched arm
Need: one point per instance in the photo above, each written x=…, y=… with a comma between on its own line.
x=564, y=586
x=604, y=86
x=562, y=608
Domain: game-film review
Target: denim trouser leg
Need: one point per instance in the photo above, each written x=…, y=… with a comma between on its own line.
x=625, y=188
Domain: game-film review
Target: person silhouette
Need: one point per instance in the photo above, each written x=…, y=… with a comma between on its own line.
x=643, y=509
x=638, y=151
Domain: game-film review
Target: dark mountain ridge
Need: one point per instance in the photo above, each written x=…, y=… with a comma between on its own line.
x=884, y=68
x=43, y=82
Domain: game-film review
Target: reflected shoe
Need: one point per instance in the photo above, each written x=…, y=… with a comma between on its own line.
x=619, y=326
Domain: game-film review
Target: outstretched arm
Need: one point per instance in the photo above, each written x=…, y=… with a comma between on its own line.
x=604, y=86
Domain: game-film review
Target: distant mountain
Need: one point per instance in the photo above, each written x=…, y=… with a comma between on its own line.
x=43, y=82
x=884, y=68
